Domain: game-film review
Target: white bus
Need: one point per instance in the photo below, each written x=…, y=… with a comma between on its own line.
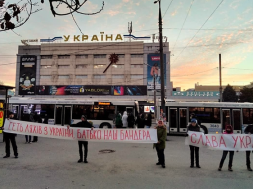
x=63, y=111
x=214, y=116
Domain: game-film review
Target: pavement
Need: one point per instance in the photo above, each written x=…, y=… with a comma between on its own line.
x=52, y=164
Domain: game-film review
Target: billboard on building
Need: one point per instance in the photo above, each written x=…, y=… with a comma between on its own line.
x=27, y=75
x=196, y=93
x=154, y=71
x=91, y=90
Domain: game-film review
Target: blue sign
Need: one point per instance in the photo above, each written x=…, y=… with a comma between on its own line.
x=196, y=93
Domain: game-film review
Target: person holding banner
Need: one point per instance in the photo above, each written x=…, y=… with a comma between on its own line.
x=160, y=145
x=10, y=137
x=83, y=124
x=248, y=130
x=228, y=130
x=194, y=127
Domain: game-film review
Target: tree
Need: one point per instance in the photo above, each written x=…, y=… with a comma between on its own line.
x=229, y=94
x=246, y=94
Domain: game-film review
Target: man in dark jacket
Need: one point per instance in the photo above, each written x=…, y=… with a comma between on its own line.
x=83, y=124
x=248, y=130
x=10, y=137
x=149, y=120
x=195, y=128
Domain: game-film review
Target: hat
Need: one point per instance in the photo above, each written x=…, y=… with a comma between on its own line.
x=193, y=120
x=83, y=116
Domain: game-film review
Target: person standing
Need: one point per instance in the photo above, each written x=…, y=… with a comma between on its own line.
x=248, y=130
x=149, y=120
x=160, y=145
x=38, y=120
x=46, y=119
x=10, y=137
x=228, y=130
x=124, y=120
x=140, y=121
x=82, y=124
x=28, y=138
x=193, y=149
x=118, y=121
x=131, y=120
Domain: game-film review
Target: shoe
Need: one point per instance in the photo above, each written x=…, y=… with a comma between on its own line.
x=6, y=156
x=16, y=157
x=230, y=169
x=163, y=166
x=192, y=166
x=80, y=161
x=219, y=169
x=198, y=166
x=85, y=161
x=249, y=169
x=158, y=163
x=30, y=142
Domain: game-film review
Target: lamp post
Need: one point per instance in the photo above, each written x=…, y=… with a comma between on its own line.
x=161, y=57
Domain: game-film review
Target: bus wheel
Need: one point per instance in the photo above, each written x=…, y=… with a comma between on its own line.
x=204, y=129
x=105, y=126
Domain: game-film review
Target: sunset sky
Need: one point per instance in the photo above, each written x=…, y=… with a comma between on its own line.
x=197, y=31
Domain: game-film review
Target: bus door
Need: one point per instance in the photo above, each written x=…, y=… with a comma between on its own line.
x=183, y=120
x=226, y=118
x=62, y=115
x=15, y=110
x=173, y=120
x=236, y=120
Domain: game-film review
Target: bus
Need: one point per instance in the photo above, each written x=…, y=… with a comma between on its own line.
x=67, y=111
x=214, y=116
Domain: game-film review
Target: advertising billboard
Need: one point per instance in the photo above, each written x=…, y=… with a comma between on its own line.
x=91, y=90
x=196, y=93
x=27, y=75
x=154, y=71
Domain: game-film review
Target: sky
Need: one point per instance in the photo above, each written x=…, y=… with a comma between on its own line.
x=197, y=32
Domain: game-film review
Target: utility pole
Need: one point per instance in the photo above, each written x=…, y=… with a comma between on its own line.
x=220, y=78
x=154, y=98
x=161, y=58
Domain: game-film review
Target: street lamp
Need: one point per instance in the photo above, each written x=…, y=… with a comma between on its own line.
x=161, y=57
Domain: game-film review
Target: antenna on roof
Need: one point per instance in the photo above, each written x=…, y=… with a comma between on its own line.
x=130, y=29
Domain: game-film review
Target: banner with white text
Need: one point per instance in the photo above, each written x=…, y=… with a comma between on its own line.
x=229, y=142
x=85, y=134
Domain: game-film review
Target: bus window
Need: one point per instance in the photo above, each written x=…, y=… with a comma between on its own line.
x=226, y=118
x=79, y=110
x=205, y=114
x=173, y=118
x=247, y=115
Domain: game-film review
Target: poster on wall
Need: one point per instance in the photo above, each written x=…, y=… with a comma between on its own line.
x=154, y=71
x=91, y=90
x=27, y=75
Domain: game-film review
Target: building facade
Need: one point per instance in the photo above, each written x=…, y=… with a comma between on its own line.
x=49, y=66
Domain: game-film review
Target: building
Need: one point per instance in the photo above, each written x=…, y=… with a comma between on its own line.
x=76, y=69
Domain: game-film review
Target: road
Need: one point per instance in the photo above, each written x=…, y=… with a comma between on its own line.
x=52, y=164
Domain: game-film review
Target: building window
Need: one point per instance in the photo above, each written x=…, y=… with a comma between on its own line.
x=45, y=67
x=46, y=56
x=121, y=55
x=136, y=65
x=136, y=76
x=81, y=76
x=63, y=76
x=80, y=66
x=118, y=66
x=45, y=77
x=99, y=66
x=63, y=56
x=99, y=55
x=99, y=76
x=117, y=76
x=63, y=66
x=79, y=56
x=136, y=55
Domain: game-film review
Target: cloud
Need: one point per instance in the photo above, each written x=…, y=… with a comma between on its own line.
x=113, y=13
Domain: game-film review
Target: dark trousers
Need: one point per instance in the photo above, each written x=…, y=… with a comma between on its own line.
x=224, y=155
x=81, y=144
x=26, y=138
x=248, y=158
x=10, y=138
x=195, y=150
x=35, y=139
x=160, y=155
